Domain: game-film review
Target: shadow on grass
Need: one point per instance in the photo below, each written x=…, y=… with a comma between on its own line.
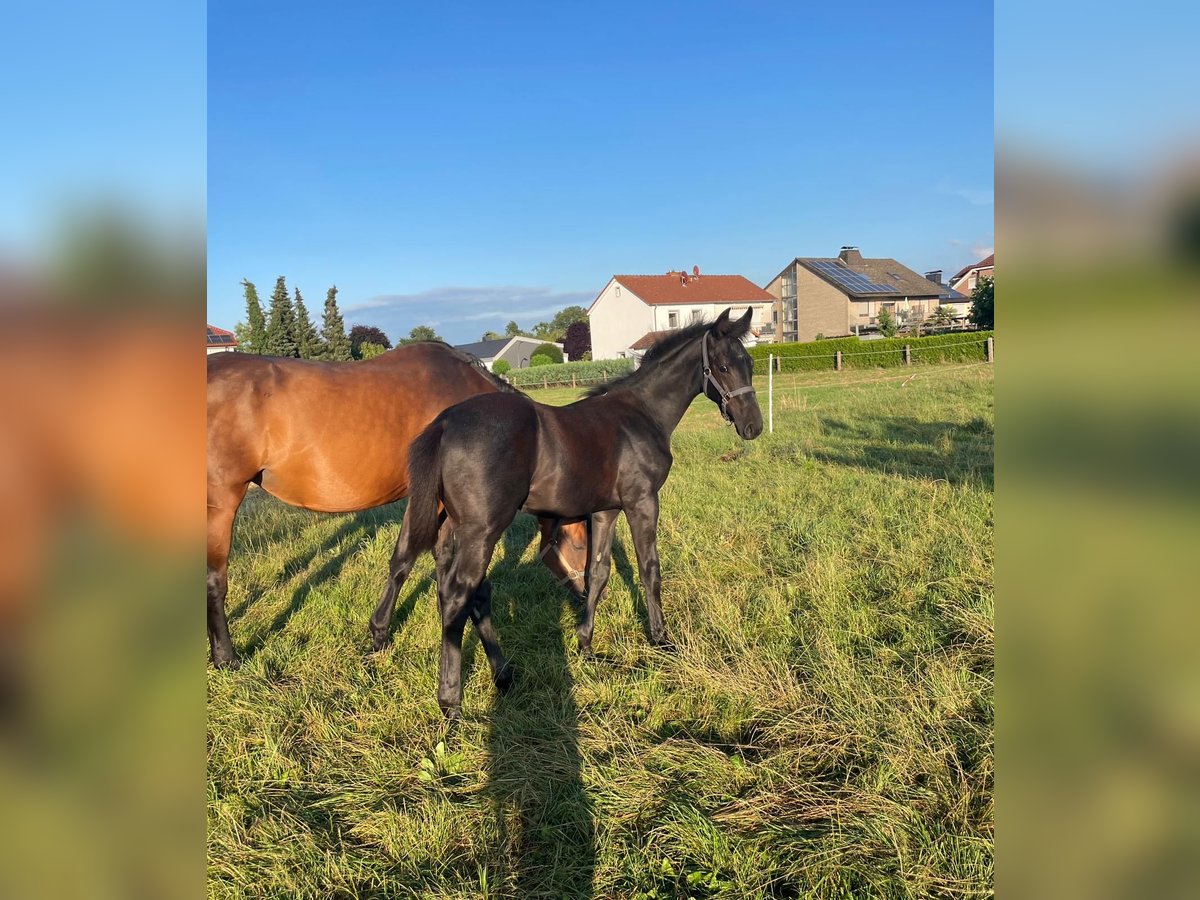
x=345, y=540
x=545, y=821
x=956, y=452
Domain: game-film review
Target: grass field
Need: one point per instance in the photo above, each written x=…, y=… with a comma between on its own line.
x=823, y=729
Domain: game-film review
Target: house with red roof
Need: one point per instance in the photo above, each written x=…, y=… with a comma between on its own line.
x=635, y=310
x=220, y=340
x=966, y=279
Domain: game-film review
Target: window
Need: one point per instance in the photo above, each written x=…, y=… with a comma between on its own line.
x=697, y=316
x=673, y=319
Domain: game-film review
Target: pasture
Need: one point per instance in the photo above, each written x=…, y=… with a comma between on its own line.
x=824, y=727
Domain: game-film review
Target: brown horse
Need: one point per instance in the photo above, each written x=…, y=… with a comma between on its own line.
x=333, y=437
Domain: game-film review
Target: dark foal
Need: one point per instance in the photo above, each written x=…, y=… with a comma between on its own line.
x=492, y=456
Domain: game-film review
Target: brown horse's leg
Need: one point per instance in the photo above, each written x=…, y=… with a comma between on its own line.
x=603, y=525
x=481, y=615
x=564, y=551
x=222, y=509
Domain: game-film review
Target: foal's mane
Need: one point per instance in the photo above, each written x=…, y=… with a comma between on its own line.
x=661, y=350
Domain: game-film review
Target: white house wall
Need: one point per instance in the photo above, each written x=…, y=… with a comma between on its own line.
x=617, y=319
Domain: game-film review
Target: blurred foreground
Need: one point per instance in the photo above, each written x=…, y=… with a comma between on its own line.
x=101, y=509
x=1098, y=442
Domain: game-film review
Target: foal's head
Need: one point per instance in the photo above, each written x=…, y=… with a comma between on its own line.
x=728, y=374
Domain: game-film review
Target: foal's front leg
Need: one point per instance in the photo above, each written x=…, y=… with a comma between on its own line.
x=643, y=525
x=603, y=525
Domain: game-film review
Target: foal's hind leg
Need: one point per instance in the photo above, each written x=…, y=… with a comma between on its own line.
x=461, y=568
x=481, y=615
x=404, y=556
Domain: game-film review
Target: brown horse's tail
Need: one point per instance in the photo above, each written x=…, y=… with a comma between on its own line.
x=425, y=482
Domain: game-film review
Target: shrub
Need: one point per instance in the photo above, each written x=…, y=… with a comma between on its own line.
x=857, y=354
x=540, y=359
x=549, y=350
x=501, y=366
x=367, y=350
x=586, y=373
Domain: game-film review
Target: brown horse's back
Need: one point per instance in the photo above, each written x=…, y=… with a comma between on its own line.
x=326, y=436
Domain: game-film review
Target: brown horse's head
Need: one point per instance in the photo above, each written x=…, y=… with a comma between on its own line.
x=729, y=374
x=565, y=551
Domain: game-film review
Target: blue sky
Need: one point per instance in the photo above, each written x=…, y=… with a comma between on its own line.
x=465, y=166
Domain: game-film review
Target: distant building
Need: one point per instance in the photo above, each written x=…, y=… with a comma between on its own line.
x=220, y=340
x=634, y=310
x=516, y=351
x=842, y=295
x=966, y=279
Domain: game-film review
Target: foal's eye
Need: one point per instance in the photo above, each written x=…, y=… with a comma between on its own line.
x=724, y=368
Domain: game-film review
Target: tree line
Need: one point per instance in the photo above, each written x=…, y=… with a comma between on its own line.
x=285, y=328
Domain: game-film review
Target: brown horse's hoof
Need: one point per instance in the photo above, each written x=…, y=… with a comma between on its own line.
x=504, y=680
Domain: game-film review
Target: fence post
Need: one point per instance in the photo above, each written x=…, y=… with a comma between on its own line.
x=907, y=355
x=771, y=393
x=545, y=382
x=837, y=360
x=572, y=379
x=989, y=351
x=604, y=372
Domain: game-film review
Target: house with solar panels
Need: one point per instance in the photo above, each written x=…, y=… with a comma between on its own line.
x=633, y=311
x=842, y=295
x=220, y=340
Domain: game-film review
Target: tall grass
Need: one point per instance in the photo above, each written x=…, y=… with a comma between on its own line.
x=823, y=729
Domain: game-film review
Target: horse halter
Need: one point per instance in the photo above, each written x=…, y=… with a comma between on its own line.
x=726, y=396
x=572, y=574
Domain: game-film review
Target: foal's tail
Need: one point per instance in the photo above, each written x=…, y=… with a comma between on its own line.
x=425, y=482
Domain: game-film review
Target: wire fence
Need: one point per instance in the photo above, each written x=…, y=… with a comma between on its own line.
x=905, y=356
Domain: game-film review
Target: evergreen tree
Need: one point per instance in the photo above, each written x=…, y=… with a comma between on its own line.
x=307, y=340
x=512, y=329
x=334, y=343
x=281, y=327
x=256, y=325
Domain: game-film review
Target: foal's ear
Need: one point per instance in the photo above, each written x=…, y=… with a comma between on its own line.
x=737, y=328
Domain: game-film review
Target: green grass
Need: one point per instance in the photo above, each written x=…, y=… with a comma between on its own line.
x=825, y=728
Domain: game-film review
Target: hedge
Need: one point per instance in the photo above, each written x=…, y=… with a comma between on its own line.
x=585, y=372
x=963, y=346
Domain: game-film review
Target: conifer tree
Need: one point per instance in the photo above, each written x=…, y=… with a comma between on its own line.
x=256, y=325
x=308, y=342
x=335, y=344
x=281, y=327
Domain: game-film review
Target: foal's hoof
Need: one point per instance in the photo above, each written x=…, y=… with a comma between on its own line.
x=663, y=644
x=504, y=680
x=379, y=639
x=226, y=660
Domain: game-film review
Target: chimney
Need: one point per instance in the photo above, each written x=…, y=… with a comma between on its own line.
x=850, y=256
x=695, y=271
x=935, y=276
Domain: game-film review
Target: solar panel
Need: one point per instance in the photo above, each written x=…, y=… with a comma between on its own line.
x=852, y=281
